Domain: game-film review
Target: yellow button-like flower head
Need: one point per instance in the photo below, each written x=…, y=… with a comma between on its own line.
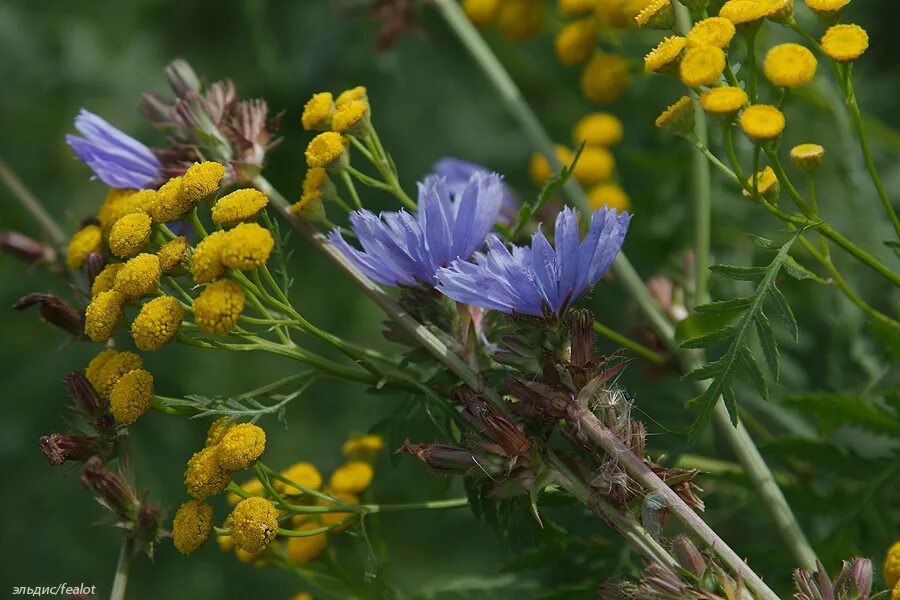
x=131, y=396
x=238, y=206
x=702, y=65
x=302, y=473
x=130, y=234
x=108, y=367
x=714, y=31
x=105, y=279
x=539, y=169
x=317, y=112
x=357, y=93
x=762, y=122
x=217, y=308
x=138, y=277
x=116, y=200
x=658, y=14
x=745, y=12
x=609, y=195
x=807, y=156
x=157, y=323
x=827, y=7
x=845, y=43
x=595, y=164
x=605, y=78
x=351, y=478
x=892, y=566
x=206, y=263
x=576, y=41
x=326, y=150
x=201, y=181
x=664, y=54
x=247, y=247
x=103, y=315
x=301, y=550
x=204, y=477
x=191, y=526
x=171, y=254
x=766, y=185
x=363, y=446
x=678, y=118
x=598, y=129
x=85, y=241
x=170, y=204
x=351, y=118
x=520, y=19
x=241, y=446
x=723, y=101
x=790, y=65
x=253, y=524
x=217, y=431
x=481, y=12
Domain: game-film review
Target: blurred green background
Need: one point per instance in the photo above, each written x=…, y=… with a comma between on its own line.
x=429, y=101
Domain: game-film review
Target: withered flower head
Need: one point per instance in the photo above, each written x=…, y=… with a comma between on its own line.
x=87, y=401
x=112, y=491
x=60, y=447
x=442, y=458
x=23, y=247
x=53, y=311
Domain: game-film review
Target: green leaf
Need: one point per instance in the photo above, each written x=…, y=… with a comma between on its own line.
x=798, y=271
x=767, y=341
x=702, y=373
x=787, y=315
x=836, y=410
x=764, y=242
x=756, y=374
x=725, y=306
x=537, y=487
x=696, y=325
x=550, y=189
x=739, y=273
x=713, y=337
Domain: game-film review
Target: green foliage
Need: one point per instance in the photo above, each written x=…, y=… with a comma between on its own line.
x=737, y=319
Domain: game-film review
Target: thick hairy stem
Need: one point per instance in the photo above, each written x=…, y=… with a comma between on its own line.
x=598, y=433
x=626, y=275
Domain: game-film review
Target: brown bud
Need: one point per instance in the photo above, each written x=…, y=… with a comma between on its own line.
x=60, y=447
x=441, y=458
x=53, y=311
x=93, y=264
x=148, y=522
x=582, y=334
x=855, y=579
x=688, y=556
x=182, y=78
x=113, y=492
x=23, y=247
x=86, y=399
x=153, y=108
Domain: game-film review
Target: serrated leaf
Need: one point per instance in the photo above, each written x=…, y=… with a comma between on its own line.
x=696, y=325
x=767, y=341
x=702, y=373
x=725, y=306
x=787, y=315
x=713, y=338
x=764, y=242
x=798, y=271
x=739, y=273
x=755, y=373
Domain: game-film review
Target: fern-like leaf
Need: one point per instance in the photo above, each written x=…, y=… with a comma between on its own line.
x=737, y=335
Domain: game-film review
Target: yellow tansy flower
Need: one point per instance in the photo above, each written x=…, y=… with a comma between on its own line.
x=351, y=118
x=217, y=431
x=539, y=169
x=594, y=165
x=745, y=12
x=204, y=476
x=827, y=6
x=302, y=473
x=845, y=43
x=766, y=185
x=310, y=207
x=317, y=112
x=171, y=254
x=138, y=277
x=664, y=54
x=762, y=122
x=103, y=315
x=576, y=41
x=253, y=524
x=157, y=323
x=116, y=199
x=520, y=19
x=241, y=446
x=351, y=478
x=85, y=241
x=598, y=129
x=723, y=101
x=605, y=78
x=191, y=526
x=364, y=445
x=301, y=550
x=108, y=367
x=130, y=396
x=170, y=204
x=702, y=65
x=247, y=247
x=206, y=263
x=807, y=156
x=481, y=12
x=130, y=234
x=201, y=181
x=238, y=206
x=302, y=596
x=356, y=93
x=218, y=307
x=891, y=570
x=609, y=195
x=678, y=118
x=789, y=65
x=105, y=280
x=714, y=31
x=325, y=150
x=657, y=14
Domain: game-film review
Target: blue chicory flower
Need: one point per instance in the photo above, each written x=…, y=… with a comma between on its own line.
x=457, y=173
x=402, y=249
x=540, y=280
x=117, y=159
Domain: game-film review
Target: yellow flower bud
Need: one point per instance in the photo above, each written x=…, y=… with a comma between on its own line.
x=247, y=247
x=108, y=367
x=204, y=477
x=238, y=206
x=103, y=315
x=206, y=263
x=241, y=446
x=138, y=277
x=157, y=323
x=130, y=234
x=171, y=254
x=201, y=181
x=218, y=307
x=130, y=396
x=191, y=526
x=85, y=241
x=351, y=478
x=253, y=524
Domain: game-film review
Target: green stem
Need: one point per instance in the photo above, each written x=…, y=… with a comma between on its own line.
x=639, y=349
x=194, y=219
x=120, y=581
x=348, y=182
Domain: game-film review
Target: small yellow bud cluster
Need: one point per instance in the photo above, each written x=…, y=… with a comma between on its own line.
x=246, y=247
x=347, y=115
x=605, y=78
x=229, y=447
x=119, y=378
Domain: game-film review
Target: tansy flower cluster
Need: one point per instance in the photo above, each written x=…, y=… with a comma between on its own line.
x=120, y=379
x=595, y=169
